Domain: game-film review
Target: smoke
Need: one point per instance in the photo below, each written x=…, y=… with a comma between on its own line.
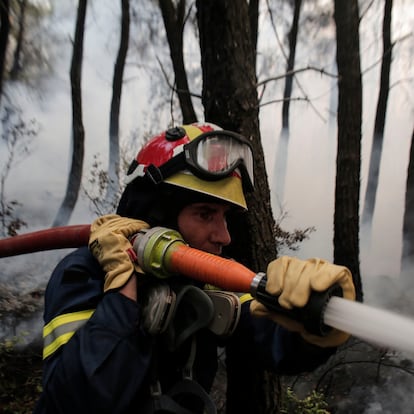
x=388, y=393
x=362, y=377
x=384, y=385
x=23, y=280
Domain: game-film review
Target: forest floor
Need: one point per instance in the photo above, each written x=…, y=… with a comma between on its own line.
x=20, y=361
x=20, y=379
x=359, y=378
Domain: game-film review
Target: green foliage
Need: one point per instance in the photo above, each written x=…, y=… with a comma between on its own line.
x=96, y=189
x=11, y=223
x=314, y=403
x=20, y=378
x=289, y=239
x=97, y=185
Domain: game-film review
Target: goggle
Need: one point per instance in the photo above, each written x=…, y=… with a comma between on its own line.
x=211, y=156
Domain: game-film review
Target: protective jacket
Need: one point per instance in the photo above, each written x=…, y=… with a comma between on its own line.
x=99, y=359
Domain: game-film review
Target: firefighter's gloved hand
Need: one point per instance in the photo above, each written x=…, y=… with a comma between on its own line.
x=293, y=280
x=109, y=243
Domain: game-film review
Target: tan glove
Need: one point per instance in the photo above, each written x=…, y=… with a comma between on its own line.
x=109, y=243
x=293, y=280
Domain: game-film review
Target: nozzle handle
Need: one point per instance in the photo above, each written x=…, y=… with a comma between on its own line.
x=311, y=315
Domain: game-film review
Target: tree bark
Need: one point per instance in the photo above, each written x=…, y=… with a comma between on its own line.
x=230, y=100
x=174, y=26
x=78, y=132
x=346, y=215
x=376, y=150
x=254, y=25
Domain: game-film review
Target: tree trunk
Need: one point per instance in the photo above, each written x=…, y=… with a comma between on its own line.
x=293, y=35
x=407, y=260
x=16, y=68
x=174, y=26
x=4, y=37
x=78, y=138
x=230, y=100
x=283, y=146
x=114, y=157
x=348, y=162
x=254, y=25
x=376, y=150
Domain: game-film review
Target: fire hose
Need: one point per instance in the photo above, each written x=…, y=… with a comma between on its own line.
x=48, y=239
x=163, y=253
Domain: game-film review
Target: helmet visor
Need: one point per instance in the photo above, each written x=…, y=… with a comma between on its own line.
x=216, y=154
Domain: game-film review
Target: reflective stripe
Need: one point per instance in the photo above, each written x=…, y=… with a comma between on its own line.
x=245, y=298
x=60, y=329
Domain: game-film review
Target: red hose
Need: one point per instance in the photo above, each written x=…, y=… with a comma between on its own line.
x=190, y=262
x=54, y=238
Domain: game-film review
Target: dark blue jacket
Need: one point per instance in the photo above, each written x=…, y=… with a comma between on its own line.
x=98, y=359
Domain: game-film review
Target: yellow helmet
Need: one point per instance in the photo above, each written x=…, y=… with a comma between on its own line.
x=199, y=157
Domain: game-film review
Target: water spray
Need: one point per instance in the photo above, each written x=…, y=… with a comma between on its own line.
x=164, y=253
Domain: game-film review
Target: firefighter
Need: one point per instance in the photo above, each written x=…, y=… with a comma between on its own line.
x=117, y=340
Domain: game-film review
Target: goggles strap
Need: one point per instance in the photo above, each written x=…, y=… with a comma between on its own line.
x=153, y=174
x=158, y=174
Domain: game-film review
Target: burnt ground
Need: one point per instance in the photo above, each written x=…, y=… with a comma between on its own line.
x=360, y=378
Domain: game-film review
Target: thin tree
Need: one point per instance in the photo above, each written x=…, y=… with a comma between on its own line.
x=282, y=150
x=17, y=65
x=348, y=161
x=114, y=152
x=78, y=132
x=292, y=40
x=407, y=259
x=376, y=149
x=229, y=97
x=254, y=25
x=174, y=21
x=230, y=100
x=4, y=38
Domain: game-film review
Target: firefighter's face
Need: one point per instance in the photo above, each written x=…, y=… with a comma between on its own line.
x=204, y=226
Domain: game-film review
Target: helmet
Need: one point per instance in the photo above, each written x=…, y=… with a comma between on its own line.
x=201, y=158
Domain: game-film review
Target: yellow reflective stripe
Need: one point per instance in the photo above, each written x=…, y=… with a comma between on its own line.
x=245, y=298
x=66, y=318
x=60, y=329
x=208, y=286
x=56, y=344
